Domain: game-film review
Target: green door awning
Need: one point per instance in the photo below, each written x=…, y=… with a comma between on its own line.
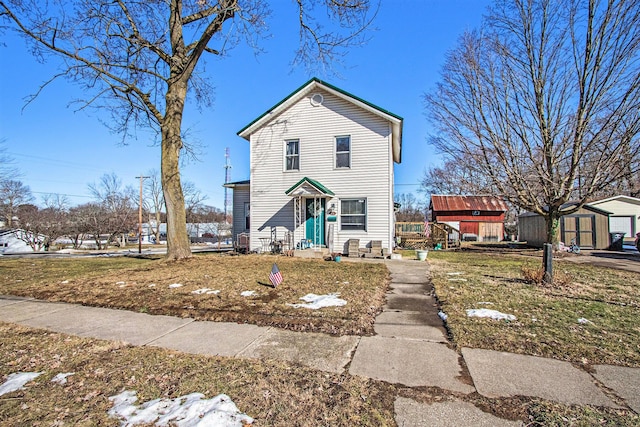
x=308, y=187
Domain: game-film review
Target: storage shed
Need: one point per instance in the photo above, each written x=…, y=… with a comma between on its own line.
x=589, y=226
x=478, y=218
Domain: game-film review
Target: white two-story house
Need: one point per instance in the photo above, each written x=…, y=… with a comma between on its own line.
x=321, y=171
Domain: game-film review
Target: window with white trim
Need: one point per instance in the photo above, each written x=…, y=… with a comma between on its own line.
x=343, y=151
x=353, y=214
x=292, y=155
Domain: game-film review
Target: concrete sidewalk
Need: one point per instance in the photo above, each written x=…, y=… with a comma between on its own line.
x=410, y=348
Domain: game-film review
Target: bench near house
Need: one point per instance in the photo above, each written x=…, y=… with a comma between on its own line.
x=321, y=163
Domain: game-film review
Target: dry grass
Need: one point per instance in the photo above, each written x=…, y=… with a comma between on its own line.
x=143, y=285
x=547, y=317
x=274, y=393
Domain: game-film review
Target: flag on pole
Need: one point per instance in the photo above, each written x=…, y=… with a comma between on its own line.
x=275, y=277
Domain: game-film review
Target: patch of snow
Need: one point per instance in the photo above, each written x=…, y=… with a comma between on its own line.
x=16, y=381
x=190, y=410
x=443, y=315
x=248, y=293
x=493, y=314
x=485, y=303
x=152, y=285
x=584, y=321
x=61, y=378
x=455, y=273
x=314, y=302
x=216, y=292
x=175, y=285
x=120, y=283
x=64, y=282
x=457, y=279
x=201, y=291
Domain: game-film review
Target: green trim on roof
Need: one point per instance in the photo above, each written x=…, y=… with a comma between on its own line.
x=321, y=188
x=330, y=86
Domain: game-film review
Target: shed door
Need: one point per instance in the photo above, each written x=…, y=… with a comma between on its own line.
x=490, y=231
x=579, y=227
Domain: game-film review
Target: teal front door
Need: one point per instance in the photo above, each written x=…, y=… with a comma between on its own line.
x=314, y=224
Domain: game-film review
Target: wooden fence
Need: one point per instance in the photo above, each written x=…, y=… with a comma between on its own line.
x=411, y=235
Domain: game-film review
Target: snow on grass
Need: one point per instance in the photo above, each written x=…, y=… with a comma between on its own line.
x=248, y=294
x=190, y=410
x=61, y=378
x=584, y=321
x=17, y=381
x=442, y=315
x=315, y=302
x=207, y=291
x=492, y=314
x=175, y=285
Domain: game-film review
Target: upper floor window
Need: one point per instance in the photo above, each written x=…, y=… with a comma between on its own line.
x=343, y=152
x=292, y=156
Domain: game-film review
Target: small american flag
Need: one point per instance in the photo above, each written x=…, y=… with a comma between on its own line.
x=275, y=277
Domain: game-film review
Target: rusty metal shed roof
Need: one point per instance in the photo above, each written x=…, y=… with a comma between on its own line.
x=441, y=203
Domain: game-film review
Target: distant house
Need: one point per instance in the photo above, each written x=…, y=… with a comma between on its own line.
x=321, y=172
x=478, y=218
x=625, y=215
x=10, y=241
x=589, y=226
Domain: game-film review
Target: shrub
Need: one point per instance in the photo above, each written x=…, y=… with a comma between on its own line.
x=535, y=276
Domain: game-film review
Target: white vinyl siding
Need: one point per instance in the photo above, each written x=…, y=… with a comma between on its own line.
x=240, y=201
x=369, y=177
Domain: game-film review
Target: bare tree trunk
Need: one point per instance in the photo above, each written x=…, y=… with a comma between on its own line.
x=178, y=245
x=552, y=222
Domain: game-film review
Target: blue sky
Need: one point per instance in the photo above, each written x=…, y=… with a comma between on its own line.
x=59, y=150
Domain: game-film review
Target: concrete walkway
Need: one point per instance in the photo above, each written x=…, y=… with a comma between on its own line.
x=410, y=348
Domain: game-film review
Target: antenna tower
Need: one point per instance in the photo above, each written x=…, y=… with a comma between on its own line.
x=227, y=179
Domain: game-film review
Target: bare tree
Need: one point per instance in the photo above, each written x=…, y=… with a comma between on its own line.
x=459, y=178
x=140, y=59
x=154, y=200
x=114, y=212
x=411, y=210
x=8, y=170
x=193, y=199
x=544, y=101
x=13, y=194
x=40, y=227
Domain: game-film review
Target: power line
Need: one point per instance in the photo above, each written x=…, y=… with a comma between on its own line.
x=61, y=194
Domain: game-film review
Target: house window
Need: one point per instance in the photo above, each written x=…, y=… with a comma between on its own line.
x=353, y=214
x=247, y=215
x=292, y=156
x=343, y=152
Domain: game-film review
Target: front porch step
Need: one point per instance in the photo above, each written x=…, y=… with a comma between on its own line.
x=311, y=253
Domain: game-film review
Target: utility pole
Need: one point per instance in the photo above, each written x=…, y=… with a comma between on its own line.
x=227, y=179
x=142, y=178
